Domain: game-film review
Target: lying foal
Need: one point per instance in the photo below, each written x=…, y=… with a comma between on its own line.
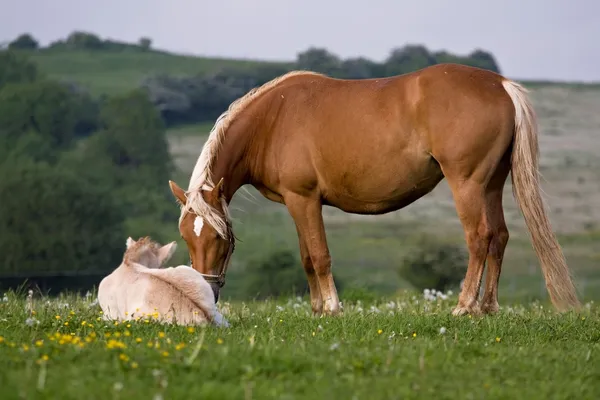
x=139, y=288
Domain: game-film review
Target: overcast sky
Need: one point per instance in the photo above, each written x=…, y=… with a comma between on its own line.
x=538, y=39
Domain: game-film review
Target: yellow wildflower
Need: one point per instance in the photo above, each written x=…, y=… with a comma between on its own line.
x=161, y=335
x=219, y=341
x=39, y=343
x=190, y=329
x=379, y=331
x=115, y=344
x=123, y=357
x=134, y=365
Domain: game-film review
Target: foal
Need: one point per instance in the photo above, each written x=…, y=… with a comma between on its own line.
x=139, y=287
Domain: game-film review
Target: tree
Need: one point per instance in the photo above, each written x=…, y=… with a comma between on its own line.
x=145, y=43
x=45, y=107
x=54, y=220
x=24, y=42
x=15, y=68
x=407, y=59
x=319, y=60
x=84, y=40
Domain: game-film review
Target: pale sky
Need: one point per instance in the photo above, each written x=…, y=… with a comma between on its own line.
x=531, y=39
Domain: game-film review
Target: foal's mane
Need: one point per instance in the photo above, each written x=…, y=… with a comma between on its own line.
x=134, y=252
x=201, y=178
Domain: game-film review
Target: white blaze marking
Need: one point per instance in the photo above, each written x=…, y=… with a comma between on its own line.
x=198, y=222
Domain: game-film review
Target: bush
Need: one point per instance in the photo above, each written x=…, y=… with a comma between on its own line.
x=274, y=275
x=434, y=265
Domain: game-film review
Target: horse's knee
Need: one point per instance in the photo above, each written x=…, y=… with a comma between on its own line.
x=322, y=264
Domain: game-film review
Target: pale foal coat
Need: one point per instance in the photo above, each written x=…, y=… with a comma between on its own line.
x=140, y=288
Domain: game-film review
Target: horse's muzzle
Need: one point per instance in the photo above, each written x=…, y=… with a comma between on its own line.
x=216, y=288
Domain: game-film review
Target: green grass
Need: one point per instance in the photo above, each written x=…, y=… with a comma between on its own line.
x=401, y=347
x=104, y=72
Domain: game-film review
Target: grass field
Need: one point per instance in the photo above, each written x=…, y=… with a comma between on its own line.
x=398, y=347
x=117, y=72
x=367, y=249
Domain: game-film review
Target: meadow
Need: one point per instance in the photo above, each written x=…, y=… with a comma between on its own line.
x=405, y=346
x=391, y=341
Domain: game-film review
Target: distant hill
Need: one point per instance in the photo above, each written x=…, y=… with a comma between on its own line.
x=108, y=72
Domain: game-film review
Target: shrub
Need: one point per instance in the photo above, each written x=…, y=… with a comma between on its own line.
x=273, y=275
x=434, y=265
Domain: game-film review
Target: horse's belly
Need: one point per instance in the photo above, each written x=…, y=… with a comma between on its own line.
x=382, y=191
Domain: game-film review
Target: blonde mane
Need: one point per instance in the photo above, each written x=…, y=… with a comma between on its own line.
x=201, y=178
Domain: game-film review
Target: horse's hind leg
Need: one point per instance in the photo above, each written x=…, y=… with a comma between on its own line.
x=489, y=304
x=472, y=209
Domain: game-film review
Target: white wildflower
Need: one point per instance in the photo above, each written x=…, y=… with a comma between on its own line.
x=334, y=346
x=31, y=322
x=442, y=330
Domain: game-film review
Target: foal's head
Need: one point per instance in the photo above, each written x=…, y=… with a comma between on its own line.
x=148, y=252
x=206, y=229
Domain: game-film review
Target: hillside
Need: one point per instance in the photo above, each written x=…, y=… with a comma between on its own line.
x=366, y=250
x=106, y=72
x=117, y=72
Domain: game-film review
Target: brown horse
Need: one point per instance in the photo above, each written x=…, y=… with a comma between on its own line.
x=373, y=146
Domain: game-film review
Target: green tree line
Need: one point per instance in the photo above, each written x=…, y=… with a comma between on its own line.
x=77, y=174
x=202, y=97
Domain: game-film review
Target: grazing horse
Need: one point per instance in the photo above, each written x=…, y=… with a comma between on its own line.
x=372, y=146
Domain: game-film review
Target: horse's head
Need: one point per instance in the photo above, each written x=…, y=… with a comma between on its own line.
x=206, y=229
x=148, y=252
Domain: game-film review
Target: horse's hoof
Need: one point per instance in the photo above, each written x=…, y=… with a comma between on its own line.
x=464, y=310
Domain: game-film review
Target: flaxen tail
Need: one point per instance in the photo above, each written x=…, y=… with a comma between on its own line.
x=526, y=189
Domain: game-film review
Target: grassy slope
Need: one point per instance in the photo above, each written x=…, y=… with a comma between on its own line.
x=388, y=349
x=117, y=72
x=367, y=249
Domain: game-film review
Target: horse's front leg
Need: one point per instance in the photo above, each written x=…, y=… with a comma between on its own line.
x=316, y=301
x=306, y=212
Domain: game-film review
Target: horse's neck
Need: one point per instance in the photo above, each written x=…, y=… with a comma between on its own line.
x=230, y=162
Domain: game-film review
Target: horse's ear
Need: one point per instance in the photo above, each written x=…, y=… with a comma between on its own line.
x=130, y=242
x=166, y=252
x=218, y=190
x=178, y=193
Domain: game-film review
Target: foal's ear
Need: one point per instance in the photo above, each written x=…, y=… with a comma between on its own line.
x=166, y=252
x=129, y=242
x=178, y=193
